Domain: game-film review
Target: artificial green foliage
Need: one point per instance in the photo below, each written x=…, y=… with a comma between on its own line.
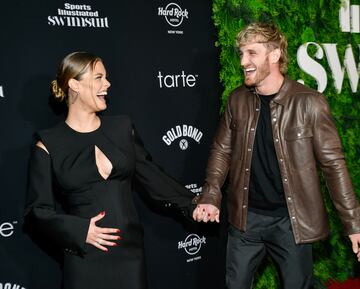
x=302, y=21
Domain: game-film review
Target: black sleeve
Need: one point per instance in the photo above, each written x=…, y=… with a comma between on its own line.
x=66, y=231
x=158, y=184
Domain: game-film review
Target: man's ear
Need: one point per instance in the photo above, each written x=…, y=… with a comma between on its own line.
x=73, y=84
x=275, y=55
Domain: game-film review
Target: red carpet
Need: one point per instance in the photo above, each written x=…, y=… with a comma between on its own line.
x=348, y=284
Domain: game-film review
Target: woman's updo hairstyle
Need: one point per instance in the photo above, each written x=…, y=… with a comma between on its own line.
x=74, y=65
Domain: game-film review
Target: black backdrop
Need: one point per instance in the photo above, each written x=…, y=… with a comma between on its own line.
x=162, y=64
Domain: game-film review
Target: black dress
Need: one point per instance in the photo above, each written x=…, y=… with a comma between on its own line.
x=71, y=170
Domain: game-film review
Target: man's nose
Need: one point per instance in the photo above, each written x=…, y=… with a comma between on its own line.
x=243, y=60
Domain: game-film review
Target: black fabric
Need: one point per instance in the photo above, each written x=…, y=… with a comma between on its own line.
x=267, y=235
x=266, y=194
x=71, y=163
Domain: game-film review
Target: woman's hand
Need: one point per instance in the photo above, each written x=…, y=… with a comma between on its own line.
x=101, y=237
x=206, y=212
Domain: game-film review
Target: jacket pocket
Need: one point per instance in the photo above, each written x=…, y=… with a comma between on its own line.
x=299, y=147
x=299, y=132
x=237, y=128
x=237, y=125
x=238, y=139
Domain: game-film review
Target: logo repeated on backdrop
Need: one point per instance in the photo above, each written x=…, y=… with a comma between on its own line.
x=174, y=16
x=349, y=16
x=349, y=22
x=73, y=15
x=192, y=245
x=1, y=92
x=11, y=286
x=177, y=80
x=7, y=229
x=184, y=132
x=194, y=188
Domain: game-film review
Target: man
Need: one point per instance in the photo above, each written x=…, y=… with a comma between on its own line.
x=273, y=134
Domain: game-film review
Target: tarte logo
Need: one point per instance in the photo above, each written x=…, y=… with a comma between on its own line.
x=176, y=80
x=7, y=229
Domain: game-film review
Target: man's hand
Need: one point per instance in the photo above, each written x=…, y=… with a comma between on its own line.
x=355, y=240
x=206, y=212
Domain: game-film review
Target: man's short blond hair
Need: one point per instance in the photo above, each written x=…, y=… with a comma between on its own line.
x=269, y=35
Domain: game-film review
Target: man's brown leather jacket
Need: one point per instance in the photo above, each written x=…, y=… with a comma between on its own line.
x=304, y=136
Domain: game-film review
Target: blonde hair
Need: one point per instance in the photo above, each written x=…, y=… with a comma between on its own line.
x=74, y=65
x=269, y=35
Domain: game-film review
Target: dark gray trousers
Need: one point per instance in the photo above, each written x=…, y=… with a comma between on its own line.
x=267, y=235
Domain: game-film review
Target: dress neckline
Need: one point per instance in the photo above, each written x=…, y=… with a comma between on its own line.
x=83, y=133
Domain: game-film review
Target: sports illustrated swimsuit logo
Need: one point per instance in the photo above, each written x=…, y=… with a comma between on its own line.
x=10, y=286
x=192, y=245
x=174, y=16
x=1, y=91
x=7, y=229
x=349, y=16
x=194, y=188
x=182, y=131
x=327, y=53
x=177, y=80
x=78, y=16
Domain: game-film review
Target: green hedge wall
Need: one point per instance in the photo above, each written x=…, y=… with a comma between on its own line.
x=302, y=21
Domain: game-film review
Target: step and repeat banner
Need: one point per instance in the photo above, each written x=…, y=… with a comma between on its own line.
x=163, y=66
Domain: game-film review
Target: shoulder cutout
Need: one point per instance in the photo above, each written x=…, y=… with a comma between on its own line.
x=41, y=145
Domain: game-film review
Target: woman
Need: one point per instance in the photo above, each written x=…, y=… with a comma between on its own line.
x=91, y=161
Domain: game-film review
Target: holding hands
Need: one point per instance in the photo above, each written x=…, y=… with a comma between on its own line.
x=206, y=212
x=101, y=237
x=355, y=241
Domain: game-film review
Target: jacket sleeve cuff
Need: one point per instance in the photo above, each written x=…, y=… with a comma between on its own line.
x=352, y=226
x=209, y=196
